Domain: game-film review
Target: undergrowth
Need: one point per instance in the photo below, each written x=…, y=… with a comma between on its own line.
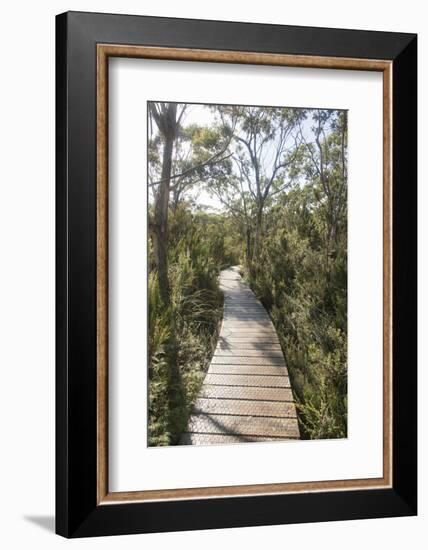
x=306, y=296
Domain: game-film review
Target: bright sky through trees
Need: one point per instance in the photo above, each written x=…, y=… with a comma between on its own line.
x=205, y=116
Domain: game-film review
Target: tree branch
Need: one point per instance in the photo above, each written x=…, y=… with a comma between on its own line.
x=196, y=167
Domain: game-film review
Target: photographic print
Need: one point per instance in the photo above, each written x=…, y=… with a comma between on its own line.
x=247, y=273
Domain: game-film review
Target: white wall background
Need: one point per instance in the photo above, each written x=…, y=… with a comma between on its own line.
x=27, y=272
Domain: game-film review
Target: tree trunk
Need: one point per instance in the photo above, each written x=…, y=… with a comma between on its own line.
x=160, y=221
x=257, y=236
x=248, y=245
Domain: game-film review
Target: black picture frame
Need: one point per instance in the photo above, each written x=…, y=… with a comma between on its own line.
x=77, y=511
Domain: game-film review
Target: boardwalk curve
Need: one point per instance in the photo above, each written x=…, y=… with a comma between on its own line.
x=246, y=394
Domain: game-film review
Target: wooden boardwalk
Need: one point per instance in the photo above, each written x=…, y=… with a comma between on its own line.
x=246, y=394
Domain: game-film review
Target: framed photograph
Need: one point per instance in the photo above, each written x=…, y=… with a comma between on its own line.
x=236, y=274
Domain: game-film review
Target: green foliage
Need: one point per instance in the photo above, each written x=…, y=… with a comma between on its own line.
x=305, y=293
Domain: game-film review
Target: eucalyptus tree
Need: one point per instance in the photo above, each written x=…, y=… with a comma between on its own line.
x=230, y=191
x=167, y=117
x=178, y=157
x=264, y=147
x=326, y=168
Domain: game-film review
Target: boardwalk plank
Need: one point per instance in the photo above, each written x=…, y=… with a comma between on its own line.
x=263, y=360
x=243, y=425
x=233, y=352
x=223, y=439
x=259, y=326
x=246, y=349
x=246, y=392
x=254, y=380
x=236, y=343
x=245, y=408
x=260, y=370
x=256, y=334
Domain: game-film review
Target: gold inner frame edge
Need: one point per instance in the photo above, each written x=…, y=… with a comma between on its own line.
x=104, y=51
